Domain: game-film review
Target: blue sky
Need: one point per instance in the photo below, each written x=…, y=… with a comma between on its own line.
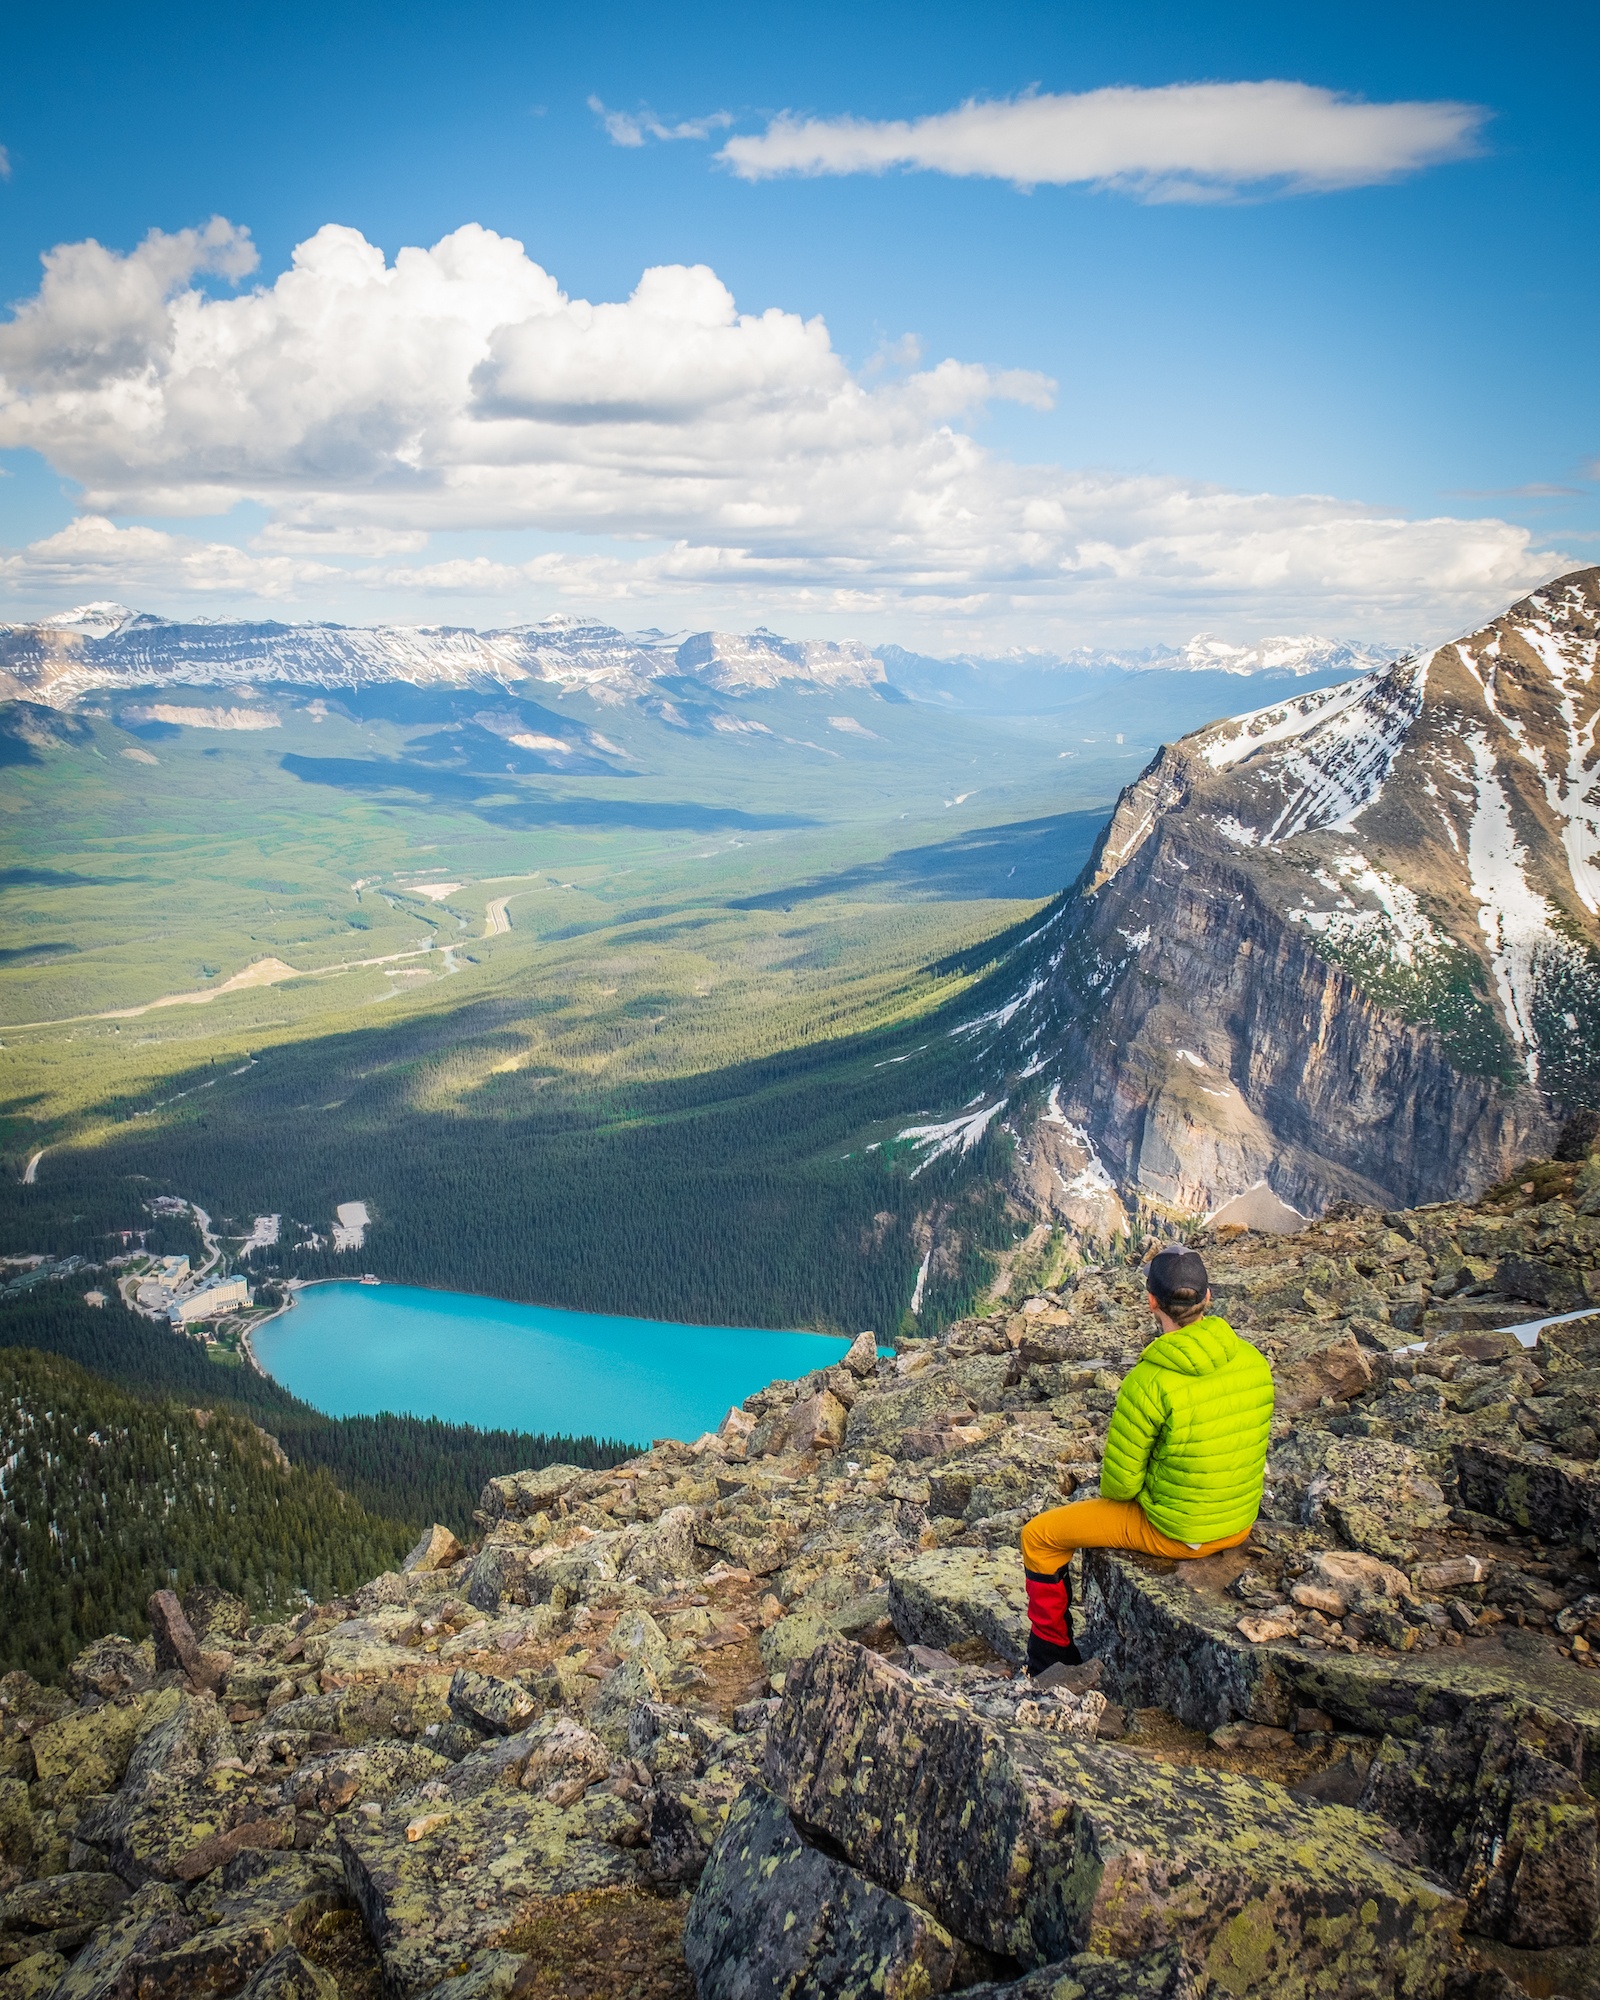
x=1418, y=351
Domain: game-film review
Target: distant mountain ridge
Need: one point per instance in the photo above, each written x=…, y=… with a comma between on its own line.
x=1344, y=946
x=107, y=646
x=58, y=660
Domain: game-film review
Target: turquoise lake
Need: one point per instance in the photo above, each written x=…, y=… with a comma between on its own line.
x=353, y=1350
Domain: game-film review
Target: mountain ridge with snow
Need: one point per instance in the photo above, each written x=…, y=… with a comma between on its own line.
x=103, y=645
x=1343, y=946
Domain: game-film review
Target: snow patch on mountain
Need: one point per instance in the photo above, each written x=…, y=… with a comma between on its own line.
x=961, y=1134
x=1514, y=920
x=1398, y=926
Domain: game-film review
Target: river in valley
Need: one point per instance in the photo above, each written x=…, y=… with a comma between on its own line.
x=354, y=1349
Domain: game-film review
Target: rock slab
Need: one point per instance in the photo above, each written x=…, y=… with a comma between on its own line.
x=1037, y=1847
x=774, y=1917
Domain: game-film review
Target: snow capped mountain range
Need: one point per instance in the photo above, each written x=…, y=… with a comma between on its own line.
x=103, y=645
x=108, y=646
x=1344, y=945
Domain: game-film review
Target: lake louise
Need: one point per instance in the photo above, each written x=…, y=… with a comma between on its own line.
x=353, y=1349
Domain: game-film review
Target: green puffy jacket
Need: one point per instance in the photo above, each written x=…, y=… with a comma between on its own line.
x=1188, y=1438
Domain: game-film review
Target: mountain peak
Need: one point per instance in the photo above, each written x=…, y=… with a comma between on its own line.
x=1347, y=945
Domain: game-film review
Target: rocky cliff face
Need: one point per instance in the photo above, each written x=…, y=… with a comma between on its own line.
x=743, y=1716
x=1341, y=948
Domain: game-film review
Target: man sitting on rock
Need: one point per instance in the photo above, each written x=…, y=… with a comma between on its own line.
x=1185, y=1455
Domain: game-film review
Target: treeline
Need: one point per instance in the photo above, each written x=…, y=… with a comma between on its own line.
x=105, y=1497
x=414, y=1470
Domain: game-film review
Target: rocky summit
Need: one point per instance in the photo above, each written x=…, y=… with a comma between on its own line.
x=743, y=1717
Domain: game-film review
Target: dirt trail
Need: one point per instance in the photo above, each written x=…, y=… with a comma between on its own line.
x=30, y=1172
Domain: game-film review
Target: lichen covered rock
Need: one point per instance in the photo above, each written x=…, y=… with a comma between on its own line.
x=774, y=1917
x=1056, y=1847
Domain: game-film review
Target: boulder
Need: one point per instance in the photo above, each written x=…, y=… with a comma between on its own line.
x=796, y=1637
x=57, y=1913
x=774, y=1917
x=931, y=1401
x=438, y=1549
x=217, y=1617
x=1037, y=1847
x=617, y=1696
x=16, y=1827
x=32, y=1978
x=1447, y=1720
x=437, y=1883
x=861, y=1357
x=1314, y=1366
x=1370, y=1493
x=659, y=1553
x=954, y=1597
x=518, y=1496
x=1505, y=1813
x=149, y=1923
x=88, y=1751
x=1348, y=1574
x=560, y=1753
x=483, y=1702
x=112, y=1667
x=1526, y=1489
x=1163, y=1975
x=333, y=1783
x=288, y=1976
x=181, y=1737
x=817, y=1423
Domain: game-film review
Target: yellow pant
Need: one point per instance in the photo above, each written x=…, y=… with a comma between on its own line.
x=1050, y=1540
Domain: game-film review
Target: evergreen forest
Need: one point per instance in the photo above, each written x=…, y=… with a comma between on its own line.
x=106, y=1497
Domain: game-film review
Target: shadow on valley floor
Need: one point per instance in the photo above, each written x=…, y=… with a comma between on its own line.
x=1028, y=859
x=59, y=878
x=474, y=794
x=21, y=954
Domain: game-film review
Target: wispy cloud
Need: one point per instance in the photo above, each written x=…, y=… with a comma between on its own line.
x=1179, y=142
x=5, y=164
x=633, y=128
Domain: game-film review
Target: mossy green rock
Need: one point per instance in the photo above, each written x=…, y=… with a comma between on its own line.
x=149, y=1923
x=438, y=1881
x=951, y=1596
x=1164, y=1975
x=288, y=1976
x=878, y=1423
x=33, y=1977
x=1036, y=1848
x=87, y=1752
x=774, y=1917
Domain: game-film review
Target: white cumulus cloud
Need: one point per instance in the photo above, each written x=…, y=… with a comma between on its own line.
x=1183, y=141
x=664, y=450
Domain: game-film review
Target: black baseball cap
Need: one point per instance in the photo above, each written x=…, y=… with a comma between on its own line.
x=1178, y=1278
